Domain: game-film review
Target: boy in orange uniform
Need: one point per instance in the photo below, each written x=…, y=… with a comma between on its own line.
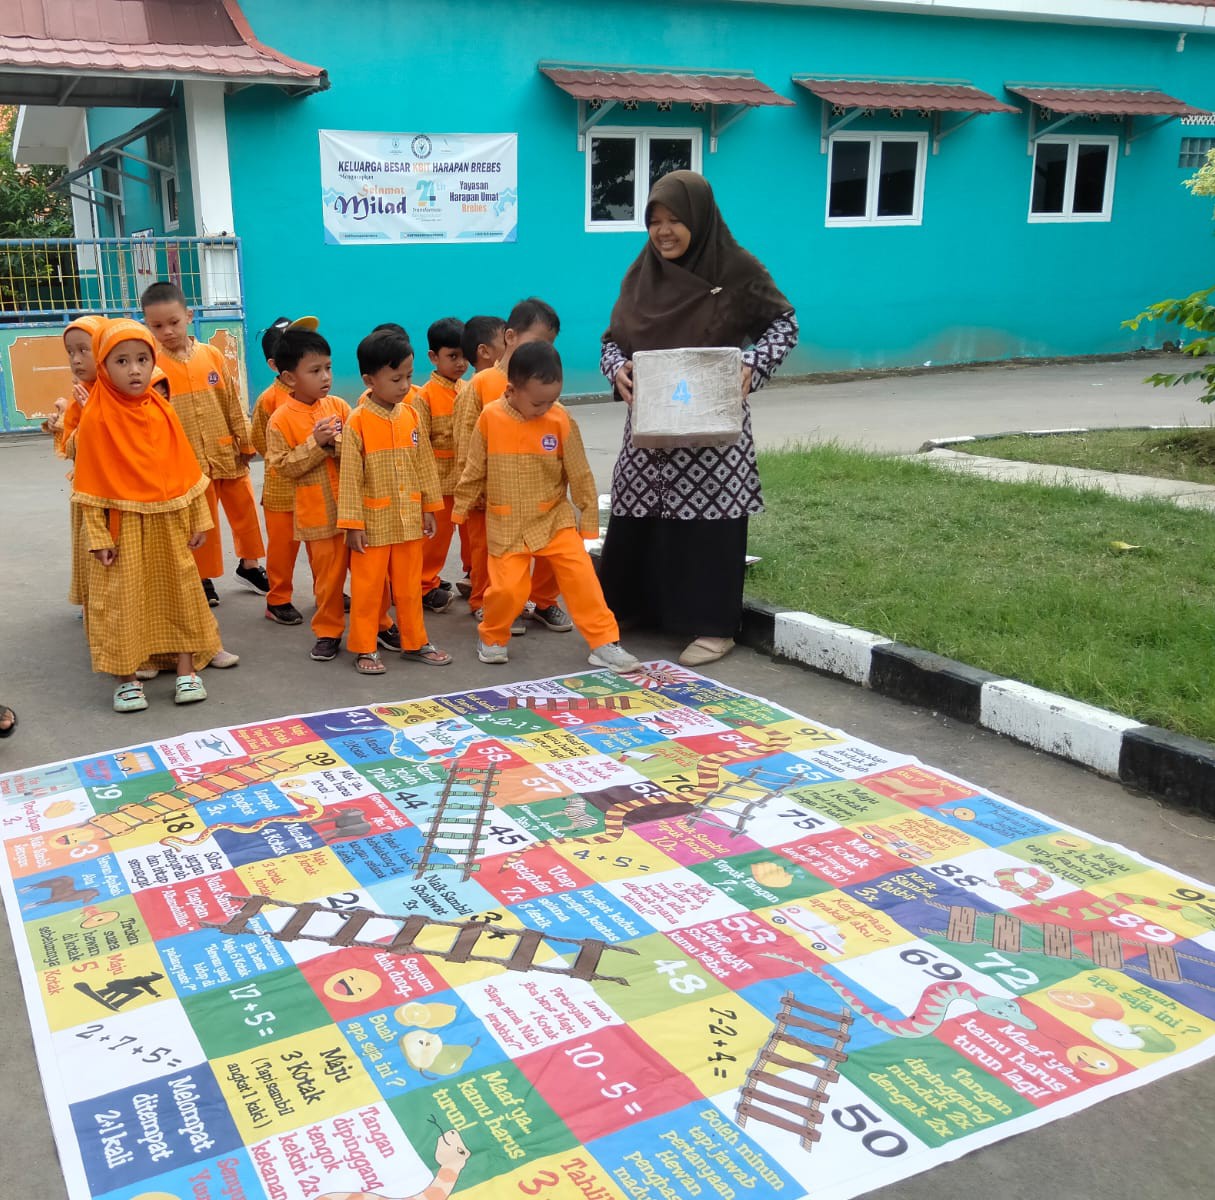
x=303, y=439
x=529, y=321
x=278, y=495
x=388, y=496
x=206, y=398
x=435, y=403
x=525, y=463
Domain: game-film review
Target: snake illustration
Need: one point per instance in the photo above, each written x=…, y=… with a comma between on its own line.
x=451, y=1156
x=1031, y=893
x=931, y=1009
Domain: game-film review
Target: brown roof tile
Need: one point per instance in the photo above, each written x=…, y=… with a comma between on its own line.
x=903, y=93
x=186, y=37
x=1108, y=101
x=684, y=87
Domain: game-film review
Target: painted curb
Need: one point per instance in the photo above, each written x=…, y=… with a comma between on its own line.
x=1167, y=765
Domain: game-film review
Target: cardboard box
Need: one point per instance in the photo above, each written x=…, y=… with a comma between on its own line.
x=687, y=397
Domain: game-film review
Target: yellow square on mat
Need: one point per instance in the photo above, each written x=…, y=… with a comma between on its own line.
x=98, y=987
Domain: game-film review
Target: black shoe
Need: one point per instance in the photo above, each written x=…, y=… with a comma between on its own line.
x=326, y=649
x=345, y=603
x=464, y=587
x=209, y=592
x=284, y=614
x=255, y=577
x=554, y=617
x=390, y=638
x=438, y=600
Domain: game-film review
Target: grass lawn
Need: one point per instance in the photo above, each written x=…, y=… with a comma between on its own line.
x=1187, y=454
x=1020, y=579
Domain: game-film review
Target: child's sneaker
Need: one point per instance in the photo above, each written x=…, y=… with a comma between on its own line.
x=615, y=657
x=210, y=593
x=464, y=587
x=284, y=614
x=129, y=697
x=390, y=638
x=491, y=654
x=255, y=577
x=326, y=649
x=438, y=600
x=224, y=660
x=189, y=690
x=553, y=617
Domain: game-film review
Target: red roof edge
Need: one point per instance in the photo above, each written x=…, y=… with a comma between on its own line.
x=305, y=70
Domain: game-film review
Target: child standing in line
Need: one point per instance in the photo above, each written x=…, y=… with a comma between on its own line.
x=529, y=321
x=207, y=400
x=142, y=497
x=435, y=403
x=389, y=495
x=278, y=495
x=303, y=439
x=525, y=462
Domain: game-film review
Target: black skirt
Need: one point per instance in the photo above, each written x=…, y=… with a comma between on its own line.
x=682, y=577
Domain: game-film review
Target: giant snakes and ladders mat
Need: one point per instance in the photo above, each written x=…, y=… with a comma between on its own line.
x=585, y=937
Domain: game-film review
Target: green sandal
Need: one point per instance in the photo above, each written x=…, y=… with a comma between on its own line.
x=190, y=690
x=129, y=697
x=430, y=654
x=369, y=664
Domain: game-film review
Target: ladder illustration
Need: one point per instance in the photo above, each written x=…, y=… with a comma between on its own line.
x=807, y=1100
x=758, y=1104
x=757, y=787
x=573, y=704
x=458, y=825
x=467, y=937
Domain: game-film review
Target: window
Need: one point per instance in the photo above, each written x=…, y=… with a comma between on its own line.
x=876, y=178
x=162, y=150
x=1194, y=151
x=621, y=164
x=1073, y=179
x=111, y=185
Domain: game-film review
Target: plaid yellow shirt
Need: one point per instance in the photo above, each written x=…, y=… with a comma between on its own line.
x=388, y=475
x=435, y=402
x=207, y=399
x=278, y=494
x=312, y=470
x=525, y=470
x=483, y=388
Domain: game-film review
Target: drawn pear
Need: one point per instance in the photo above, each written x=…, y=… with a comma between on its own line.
x=426, y=1016
x=426, y=1053
x=1154, y=1042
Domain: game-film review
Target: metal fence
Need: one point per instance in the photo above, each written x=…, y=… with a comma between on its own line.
x=52, y=278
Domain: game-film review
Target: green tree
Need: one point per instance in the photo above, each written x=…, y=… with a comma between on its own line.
x=1195, y=312
x=32, y=278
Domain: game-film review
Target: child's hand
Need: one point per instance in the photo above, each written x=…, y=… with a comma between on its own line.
x=429, y=528
x=106, y=557
x=325, y=431
x=80, y=393
x=746, y=381
x=623, y=381
x=356, y=540
x=196, y=539
x=54, y=422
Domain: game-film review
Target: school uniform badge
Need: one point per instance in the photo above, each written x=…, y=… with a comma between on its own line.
x=213, y=378
x=414, y=436
x=549, y=441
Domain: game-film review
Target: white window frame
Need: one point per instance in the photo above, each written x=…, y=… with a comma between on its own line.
x=1073, y=142
x=165, y=176
x=640, y=136
x=875, y=139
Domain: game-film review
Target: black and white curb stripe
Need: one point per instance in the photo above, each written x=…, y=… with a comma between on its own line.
x=1168, y=765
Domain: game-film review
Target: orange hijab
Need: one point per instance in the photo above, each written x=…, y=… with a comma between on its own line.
x=71, y=415
x=132, y=452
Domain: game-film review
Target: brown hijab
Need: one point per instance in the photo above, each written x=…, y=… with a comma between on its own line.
x=715, y=295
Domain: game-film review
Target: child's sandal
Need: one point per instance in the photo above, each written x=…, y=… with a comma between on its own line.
x=430, y=654
x=129, y=697
x=189, y=690
x=369, y=664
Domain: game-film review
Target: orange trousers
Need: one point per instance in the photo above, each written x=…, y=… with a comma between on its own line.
x=566, y=560
x=240, y=507
x=543, y=589
x=281, y=552
x=375, y=572
x=434, y=550
x=329, y=560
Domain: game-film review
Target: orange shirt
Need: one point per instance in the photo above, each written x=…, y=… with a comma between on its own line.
x=436, y=403
x=278, y=494
x=312, y=470
x=483, y=388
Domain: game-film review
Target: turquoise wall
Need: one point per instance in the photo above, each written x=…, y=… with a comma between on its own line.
x=975, y=280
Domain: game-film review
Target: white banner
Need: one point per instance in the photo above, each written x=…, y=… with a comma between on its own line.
x=418, y=187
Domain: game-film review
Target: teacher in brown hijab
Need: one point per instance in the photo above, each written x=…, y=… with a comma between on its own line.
x=674, y=554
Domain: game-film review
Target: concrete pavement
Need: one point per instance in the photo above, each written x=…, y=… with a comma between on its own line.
x=1149, y=1142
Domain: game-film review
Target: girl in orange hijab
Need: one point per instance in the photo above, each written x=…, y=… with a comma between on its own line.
x=141, y=495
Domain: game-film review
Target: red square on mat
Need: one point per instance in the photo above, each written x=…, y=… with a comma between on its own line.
x=491, y=753
x=177, y=908
x=606, y=1081
x=916, y=787
x=358, y=980
x=841, y=857
x=514, y=878
x=274, y=735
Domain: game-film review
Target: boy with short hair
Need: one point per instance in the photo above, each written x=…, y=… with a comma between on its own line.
x=529, y=321
x=389, y=494
x=278, y=495
x=303, y=439
x=435, y=402
x=525, y=462
x=207, y=401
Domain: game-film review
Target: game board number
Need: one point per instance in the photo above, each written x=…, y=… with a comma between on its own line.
x=1016, y=979
x=564, y=718
x=587, y=1058
x=540, y=784
x=107, y=793
x=616, y=1091
x=512, y=895
x=83, y=851
x=938, y=970
x=752, y=933
x=90, y=1031
x=320, y=758
x=493, y=754
x=249, y=992
x=584, y=1056
x=506, y=835
x=799, y=820
x=683, y=984
x=860, y=1120
x=546, y=1179
x=259, y=1019
x=1154, y=933
x=955, y=874
x=343, y=900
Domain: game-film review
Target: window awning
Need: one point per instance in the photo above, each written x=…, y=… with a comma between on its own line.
x=847, y=97
x=726, y=94
x=1065, y=104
